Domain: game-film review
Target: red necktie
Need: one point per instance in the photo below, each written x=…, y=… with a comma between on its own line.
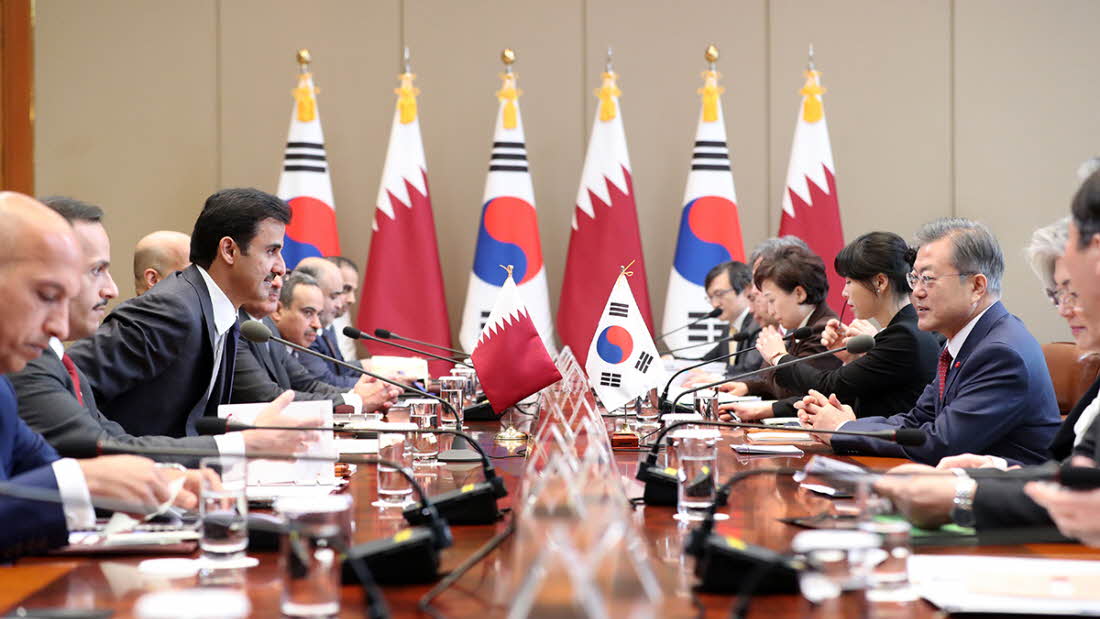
x=941, y=370
x=71, y=368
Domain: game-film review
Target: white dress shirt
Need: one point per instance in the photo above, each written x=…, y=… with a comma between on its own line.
x=225, y=314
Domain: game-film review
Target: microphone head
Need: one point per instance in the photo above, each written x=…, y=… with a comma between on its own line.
x=741, y=336
x=909, y=437
x=714, y=313
x=352, y=332
x=211, y=425
x=255, y=331
x=860, y=344
x=77, y=448
x=383, y=333
x=800, y=333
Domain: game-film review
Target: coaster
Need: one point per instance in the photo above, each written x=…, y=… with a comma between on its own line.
x=227, y=564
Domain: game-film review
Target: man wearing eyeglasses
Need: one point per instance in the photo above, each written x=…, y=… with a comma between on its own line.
x=992, y=393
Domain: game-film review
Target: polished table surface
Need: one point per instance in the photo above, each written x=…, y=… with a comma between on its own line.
x=754, y=508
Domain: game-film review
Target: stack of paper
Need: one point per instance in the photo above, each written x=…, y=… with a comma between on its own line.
x=772, y=450
x=778, y=436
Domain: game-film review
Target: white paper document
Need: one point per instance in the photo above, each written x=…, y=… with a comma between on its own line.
x=1007, y=585
x=773, y=450
x=357, y=445
x=262, y=472
x=778, y=436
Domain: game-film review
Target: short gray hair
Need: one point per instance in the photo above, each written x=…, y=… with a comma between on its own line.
x=292, y=281
x=768, y=247
x=976, y=250
x=1047, y=245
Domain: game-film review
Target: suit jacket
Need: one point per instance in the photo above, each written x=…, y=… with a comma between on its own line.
x=886, y=380
x=264, y=370
x=48, y=404
x=323, y=370
x=29, y=526
x=150, y=362
x=769, y=388
x=998, y=400
x=747, y=359
x=1000, y=500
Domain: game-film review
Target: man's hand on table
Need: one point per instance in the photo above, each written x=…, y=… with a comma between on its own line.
x=815, y=411
x=925, y=498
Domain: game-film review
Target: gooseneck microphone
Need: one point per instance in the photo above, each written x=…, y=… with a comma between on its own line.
x=660, y=484
x=470, y=504
x=856, y=346
x=740, y=336
x=356, y=334
x=386, y=334
x=714, y=313
x=800, y=333
x=256, y=331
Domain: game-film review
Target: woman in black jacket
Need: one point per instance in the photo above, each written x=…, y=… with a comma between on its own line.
x=888, y=379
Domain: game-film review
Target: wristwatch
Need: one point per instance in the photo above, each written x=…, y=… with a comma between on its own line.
x=962, y=508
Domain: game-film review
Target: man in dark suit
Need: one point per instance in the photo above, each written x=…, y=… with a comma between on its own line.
x=266, y=369
x=728, y=287
x=175, y=345
x=55, y=398
x=40, y=266
x=992, y=393
x=330, y=279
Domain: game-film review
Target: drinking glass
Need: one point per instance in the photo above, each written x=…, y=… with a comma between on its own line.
x=888, y=570
x=453, y=391
x=697, y=457
x=310, y=553
x=472, y=383
x=706, y=404
x=424, y=414
x=394, y=489
x=223, y=512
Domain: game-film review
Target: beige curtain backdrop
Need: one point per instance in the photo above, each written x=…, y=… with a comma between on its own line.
x=976, y=108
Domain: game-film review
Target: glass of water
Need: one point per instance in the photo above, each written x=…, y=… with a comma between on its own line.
x=887, y=571
x=697, y=469
x=706, y=404
x=424, y=414
x=223, y=511
x=470, y=375
x=453, y=390
x=394, y=489
x=316, y=538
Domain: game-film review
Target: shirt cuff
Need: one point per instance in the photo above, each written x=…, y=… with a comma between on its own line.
x=353, y=400
x=998, y=462
x=76, y=501
x=230, y=444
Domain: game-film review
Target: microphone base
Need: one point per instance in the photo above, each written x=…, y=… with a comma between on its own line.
x=458, y=455
x=408, y=558
x=727, y=564
x=660, y=486
x=480, y=412
x=470, y=504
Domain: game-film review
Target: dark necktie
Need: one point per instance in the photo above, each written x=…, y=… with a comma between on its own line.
x=70, y=367
x=941, y=370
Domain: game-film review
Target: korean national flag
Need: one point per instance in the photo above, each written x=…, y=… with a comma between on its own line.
x=622, y=359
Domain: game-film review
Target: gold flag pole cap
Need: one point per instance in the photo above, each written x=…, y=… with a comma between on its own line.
x=508, y=56
x=711, y=54
x=304, y=58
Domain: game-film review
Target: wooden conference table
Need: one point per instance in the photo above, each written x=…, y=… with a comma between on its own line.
x=113, y=582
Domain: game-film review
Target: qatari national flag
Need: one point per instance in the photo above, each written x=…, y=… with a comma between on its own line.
x=510, y=358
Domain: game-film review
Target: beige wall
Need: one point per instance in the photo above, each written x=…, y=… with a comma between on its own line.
x=980, y=108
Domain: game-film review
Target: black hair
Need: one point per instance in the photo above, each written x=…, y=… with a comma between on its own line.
x=874, y=253
x=739, y=273
x=235, y=213
x=1086, y=209
x=74, y=210
x=791, y=267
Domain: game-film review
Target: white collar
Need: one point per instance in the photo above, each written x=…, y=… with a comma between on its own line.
x=224, y=312
x=740, y=320
x=57, y=347
x=955, y=344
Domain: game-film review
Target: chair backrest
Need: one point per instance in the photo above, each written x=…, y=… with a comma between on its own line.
x=1071, y=374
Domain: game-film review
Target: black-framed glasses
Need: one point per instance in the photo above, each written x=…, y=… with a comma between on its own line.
x=928, y=281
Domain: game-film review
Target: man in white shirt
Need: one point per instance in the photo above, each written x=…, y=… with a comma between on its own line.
x=350, y=271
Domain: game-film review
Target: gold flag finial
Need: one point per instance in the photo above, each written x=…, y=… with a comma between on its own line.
x=304, y=58
x=711, y=54
x=508, y=93
x=305, y=108
x=406, y=93
x=607, y=91
x=813, y=109
x=710, y=90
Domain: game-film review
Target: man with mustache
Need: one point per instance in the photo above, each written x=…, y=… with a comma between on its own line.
x=163, y=359
x=54, y=397
x=40, y=264
x=265, y=369
x=330, y=279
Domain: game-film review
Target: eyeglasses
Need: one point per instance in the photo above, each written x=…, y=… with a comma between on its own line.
x=1061, y=296
x=718, y=294
x=928, y=281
